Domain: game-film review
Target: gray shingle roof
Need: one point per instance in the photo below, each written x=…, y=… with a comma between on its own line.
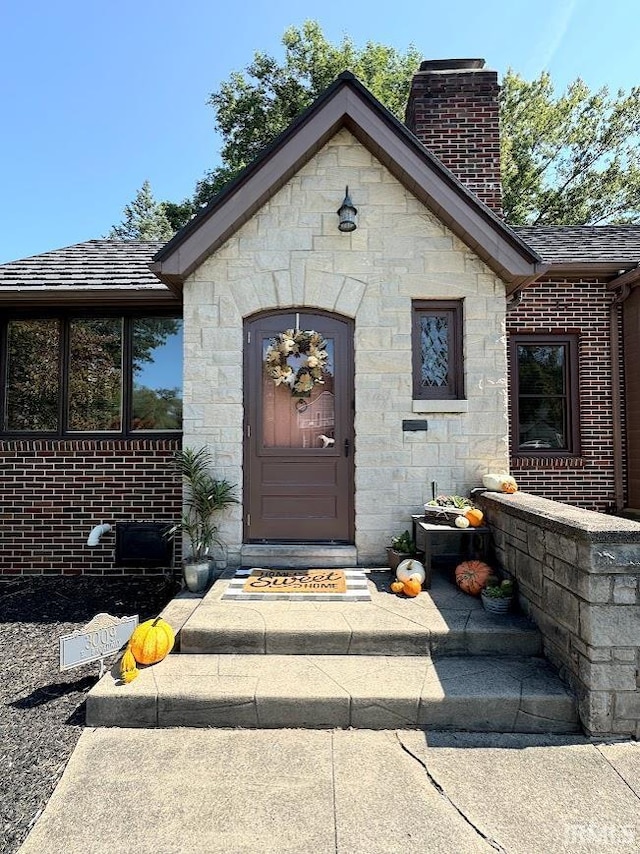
x=124, y=264
x=564, y=244
x=92, y=264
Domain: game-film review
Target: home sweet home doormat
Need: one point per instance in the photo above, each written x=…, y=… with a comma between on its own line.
x=320, y=585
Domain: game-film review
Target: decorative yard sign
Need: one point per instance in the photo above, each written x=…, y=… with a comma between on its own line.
x=310, y=581
x=102, y=636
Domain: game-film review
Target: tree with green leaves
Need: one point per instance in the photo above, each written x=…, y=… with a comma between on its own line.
x=253, y=108
x=144, y=219
x=572, y=159
x=567, y=159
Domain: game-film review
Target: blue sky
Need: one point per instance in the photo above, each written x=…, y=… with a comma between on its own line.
x=98, y=97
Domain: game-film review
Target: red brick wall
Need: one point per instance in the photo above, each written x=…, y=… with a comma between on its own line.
x=582, y=307
x=455, y=114
x=54, y=492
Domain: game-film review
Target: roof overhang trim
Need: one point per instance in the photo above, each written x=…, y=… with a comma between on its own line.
x=348, y=104
x=94, y=295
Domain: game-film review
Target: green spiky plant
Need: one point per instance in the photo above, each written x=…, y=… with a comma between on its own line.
x=205, y=497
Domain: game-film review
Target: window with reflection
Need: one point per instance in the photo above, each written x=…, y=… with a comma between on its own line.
x=32, y=375
x=157, y=374
x=545, y=394
x=71, y=374
x=95, y=374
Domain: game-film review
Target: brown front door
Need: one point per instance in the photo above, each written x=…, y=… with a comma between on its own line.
x=298, y=460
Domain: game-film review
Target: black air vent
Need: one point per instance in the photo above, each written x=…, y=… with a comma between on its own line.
x=143, y=544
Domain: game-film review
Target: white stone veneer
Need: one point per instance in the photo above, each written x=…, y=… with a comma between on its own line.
x=291, y=254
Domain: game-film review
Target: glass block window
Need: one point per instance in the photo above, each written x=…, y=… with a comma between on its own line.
x=437, y=349
x=545, y=394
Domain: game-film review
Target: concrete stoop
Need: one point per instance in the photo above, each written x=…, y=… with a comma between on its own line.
x=338, y=691
x=436, y=661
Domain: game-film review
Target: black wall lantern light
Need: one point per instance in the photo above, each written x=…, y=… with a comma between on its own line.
x=347, y=214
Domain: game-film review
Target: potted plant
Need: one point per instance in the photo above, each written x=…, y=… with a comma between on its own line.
x=402, y=548
x=497, y=596
x=205, y=496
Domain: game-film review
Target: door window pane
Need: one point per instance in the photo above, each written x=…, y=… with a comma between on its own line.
x=157, y=374
x=33, y=375
x=299, y=422
x=95, y=374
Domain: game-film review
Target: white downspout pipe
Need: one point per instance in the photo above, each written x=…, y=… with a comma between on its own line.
x=96, y=533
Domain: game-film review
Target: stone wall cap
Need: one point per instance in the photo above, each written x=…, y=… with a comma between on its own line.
x=565, y=518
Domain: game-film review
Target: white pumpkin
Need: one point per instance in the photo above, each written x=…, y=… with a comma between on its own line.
x=411, y=567
x=461, y=522
x=493, y=481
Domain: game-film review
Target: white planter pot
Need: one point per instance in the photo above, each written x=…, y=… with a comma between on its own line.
x=196, y=576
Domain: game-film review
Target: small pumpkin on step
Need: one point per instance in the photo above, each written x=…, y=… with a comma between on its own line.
x=128, y=666
x=412, y=586
x=151, y=641
x=472, y=575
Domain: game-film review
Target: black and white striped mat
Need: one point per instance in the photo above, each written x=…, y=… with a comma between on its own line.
x=357, y=588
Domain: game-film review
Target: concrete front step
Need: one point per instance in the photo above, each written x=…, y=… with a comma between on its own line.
x=440, y=621
x=354, y=629
x=298, y=556
x=476, y=693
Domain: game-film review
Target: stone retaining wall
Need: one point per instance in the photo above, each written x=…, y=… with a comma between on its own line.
x=577, y=573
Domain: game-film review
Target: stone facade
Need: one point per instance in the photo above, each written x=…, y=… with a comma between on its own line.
x=291, y=254
x=578, y=577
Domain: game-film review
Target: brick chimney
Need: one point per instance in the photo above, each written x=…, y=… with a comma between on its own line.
x=453, y=110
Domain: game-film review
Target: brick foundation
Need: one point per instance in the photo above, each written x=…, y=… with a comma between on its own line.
x=55, y=491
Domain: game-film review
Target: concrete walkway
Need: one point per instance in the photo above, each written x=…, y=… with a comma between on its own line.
x=209, y=791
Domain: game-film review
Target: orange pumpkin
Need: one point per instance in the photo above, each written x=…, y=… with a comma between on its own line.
x=509, y=486
x=151, y=641
x=397, y=586
x=472, y=575
x=475, y=517
x=412, y=587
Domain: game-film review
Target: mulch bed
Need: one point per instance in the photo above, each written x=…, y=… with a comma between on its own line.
x=42, y=709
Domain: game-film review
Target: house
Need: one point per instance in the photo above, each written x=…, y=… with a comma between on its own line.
x=436, y=343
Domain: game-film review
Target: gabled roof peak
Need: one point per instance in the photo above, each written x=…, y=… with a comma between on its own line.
x=347, y=103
